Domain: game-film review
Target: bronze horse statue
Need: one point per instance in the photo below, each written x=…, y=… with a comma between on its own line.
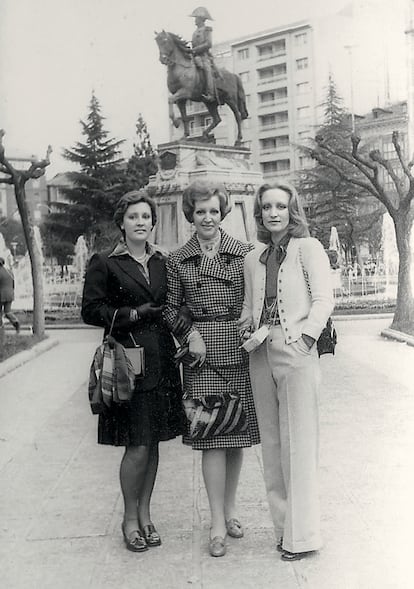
x=185, y=83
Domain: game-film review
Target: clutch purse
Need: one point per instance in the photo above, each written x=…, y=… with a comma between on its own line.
x=136, y=356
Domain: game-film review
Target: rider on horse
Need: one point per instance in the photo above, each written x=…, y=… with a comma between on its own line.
x=201, y=45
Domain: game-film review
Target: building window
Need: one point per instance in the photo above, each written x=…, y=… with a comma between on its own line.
x=270, y=49
x=301, y=39
x=207, y=122
x=270, y=143
x=271, y=72
x=303, y=112
x=302, y=88
x=276, y=166
x=244, y=77
x=305, y=162
x=303, y=134
x=302, y=64
x=243, y=54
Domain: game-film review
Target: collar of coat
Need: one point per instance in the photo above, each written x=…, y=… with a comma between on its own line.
x=228, y=245
x=121, y=249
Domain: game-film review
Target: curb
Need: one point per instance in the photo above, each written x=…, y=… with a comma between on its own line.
x=399, y=336
x=26, y=355
x=357, y=317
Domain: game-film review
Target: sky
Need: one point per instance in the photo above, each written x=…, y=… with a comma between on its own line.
x=54, y=53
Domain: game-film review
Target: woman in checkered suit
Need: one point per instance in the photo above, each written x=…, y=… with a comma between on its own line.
x=207, y=275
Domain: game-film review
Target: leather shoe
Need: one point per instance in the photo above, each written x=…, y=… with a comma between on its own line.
x=234, y=528
x=291, y=556
x=134, y=541
x=151, y=535
x=279, y=545
x=217, y=546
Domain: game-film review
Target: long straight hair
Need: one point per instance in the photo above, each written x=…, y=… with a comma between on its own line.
x=298, y=225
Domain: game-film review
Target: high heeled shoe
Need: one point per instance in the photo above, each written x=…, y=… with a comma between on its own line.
x=134, y=541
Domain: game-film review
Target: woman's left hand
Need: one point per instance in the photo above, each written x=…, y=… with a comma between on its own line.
x=197, y=349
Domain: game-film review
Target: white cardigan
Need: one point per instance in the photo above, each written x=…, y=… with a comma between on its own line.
x=300, y=312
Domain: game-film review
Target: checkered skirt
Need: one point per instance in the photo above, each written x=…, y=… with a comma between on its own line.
x=207, y=382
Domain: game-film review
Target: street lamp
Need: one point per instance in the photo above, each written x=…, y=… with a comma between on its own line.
x=351, y=79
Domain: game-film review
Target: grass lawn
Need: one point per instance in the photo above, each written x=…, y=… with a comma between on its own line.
x=16, y=343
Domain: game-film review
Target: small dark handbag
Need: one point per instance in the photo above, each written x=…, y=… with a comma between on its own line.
x=327, y=340
x=215, y=414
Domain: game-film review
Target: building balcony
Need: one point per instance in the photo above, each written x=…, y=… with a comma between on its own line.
x=274, y=126
x=272, y=80
x=281, y=53
x=272, y=150
x=272, y=103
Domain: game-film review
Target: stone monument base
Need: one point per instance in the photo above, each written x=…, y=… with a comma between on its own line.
x=180, y=164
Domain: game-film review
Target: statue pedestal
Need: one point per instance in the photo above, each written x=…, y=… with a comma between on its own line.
x=180, y=164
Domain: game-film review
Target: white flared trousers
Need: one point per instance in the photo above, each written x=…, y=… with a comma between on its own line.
x=285, y=381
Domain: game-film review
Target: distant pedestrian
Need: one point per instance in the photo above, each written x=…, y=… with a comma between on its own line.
x=7, y=296
x=132, y=281
x=288, y=295
x=206, y=274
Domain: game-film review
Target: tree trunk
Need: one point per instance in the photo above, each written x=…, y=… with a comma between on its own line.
x=35, y=259
x=404, y=311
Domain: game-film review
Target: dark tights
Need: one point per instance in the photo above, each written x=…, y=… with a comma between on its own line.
x=137, y=475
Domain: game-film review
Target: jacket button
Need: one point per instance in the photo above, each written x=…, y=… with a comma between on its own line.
x=284, y=320
x=282, y=310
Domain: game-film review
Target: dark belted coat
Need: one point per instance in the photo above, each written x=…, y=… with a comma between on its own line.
x=6, y=286
x=210, y=287
x=115, y=282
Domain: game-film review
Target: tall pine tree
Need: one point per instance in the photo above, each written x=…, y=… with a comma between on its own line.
x=96, y=187
x=143, y=162
x=331, y=200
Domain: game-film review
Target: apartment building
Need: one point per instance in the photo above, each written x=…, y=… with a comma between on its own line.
x=277, y=70
x=376, y=128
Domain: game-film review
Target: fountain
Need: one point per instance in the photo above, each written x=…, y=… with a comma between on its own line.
x=81, y=256
x=335, y=246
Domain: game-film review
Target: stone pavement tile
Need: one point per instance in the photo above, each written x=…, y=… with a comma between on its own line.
x=168, y=566
x=51, y=564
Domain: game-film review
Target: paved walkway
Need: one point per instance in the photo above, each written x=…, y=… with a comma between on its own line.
x=60, y=505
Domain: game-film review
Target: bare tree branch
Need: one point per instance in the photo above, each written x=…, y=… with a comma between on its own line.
x=358, y=163
x=375, y=190
x=356, y=140
x=377, y=156
x=3, y=160
x=38, y=167
x=6, y=180
x=397, y=147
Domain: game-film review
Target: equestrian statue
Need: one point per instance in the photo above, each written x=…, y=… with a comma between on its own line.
x=192, y=75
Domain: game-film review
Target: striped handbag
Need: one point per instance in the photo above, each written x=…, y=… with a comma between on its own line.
x=215, y=414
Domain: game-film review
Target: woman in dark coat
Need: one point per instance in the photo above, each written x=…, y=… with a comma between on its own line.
x=132, y=280
x=207, y=274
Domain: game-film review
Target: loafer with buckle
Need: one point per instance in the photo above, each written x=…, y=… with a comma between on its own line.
x=134, y=541
x=151, y=535
x=217, y=546
x=234, y=528
x=291, y=556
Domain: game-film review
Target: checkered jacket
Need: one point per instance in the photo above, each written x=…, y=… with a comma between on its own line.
x=211, y=287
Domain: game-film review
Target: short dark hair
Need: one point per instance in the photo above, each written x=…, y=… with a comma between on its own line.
x=132, y=198
x=203, y=190
x=298, y=225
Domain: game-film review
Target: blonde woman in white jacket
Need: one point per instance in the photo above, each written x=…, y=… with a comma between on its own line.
x=288, y=295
